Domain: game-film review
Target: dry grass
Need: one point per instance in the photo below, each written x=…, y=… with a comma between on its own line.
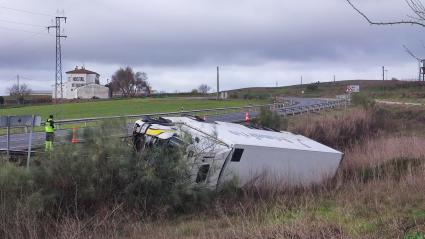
x=339, y=130
x=379, y=208
x=374, y=152
x=389, y=204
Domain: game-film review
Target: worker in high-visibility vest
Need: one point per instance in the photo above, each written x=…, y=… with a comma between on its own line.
x=49, y=128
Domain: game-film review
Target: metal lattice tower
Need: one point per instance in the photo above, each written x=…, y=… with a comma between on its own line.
x=421, y=63
x=58, y=67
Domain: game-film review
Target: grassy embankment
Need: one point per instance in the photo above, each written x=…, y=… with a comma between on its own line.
x=395, y=90
x=378, y=192
x=120, y=107
x=123, y=107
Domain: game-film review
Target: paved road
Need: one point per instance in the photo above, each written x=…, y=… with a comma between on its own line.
x=300, y=105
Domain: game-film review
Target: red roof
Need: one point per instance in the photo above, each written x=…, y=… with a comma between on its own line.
x=81, y=71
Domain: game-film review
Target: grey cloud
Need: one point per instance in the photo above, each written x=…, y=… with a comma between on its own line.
x=193, y=35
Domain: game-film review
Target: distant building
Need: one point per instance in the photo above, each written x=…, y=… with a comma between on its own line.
x=224, y=95
x=41, y=92
x=82, y=84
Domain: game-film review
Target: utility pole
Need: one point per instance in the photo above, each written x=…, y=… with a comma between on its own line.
x=218, y=83
x=334, y=79
x=301, y=81
x=383, y=73
x=17, y=80
x=19, y=89
x=58, y=67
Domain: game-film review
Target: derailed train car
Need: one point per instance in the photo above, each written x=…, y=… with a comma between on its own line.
x=222, y=151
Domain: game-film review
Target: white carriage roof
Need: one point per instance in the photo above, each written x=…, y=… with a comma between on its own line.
x=236, y=134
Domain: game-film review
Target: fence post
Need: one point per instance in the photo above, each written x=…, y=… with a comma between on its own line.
x=8, y=138
x=30, y=142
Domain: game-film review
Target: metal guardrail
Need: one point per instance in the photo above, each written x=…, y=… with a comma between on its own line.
x=216, y=111
x=280, y=108
x=285, y=109
x=293, y=110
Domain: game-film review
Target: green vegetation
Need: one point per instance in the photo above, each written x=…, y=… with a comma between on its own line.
x=80, y=180
x=270, y=119
x=392, y=89
x=108, y=191
x=124, y=107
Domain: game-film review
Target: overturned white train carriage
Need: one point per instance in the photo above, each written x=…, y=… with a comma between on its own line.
x=221, y=152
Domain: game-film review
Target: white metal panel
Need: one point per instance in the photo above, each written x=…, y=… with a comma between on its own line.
x=24, y=120
x=282, y=166
x=232, y=134
x=280, y=157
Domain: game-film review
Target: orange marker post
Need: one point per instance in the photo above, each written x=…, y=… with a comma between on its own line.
x=74, y=135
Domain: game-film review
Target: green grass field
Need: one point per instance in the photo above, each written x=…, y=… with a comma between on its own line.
x=123, y=107
x=391, y=89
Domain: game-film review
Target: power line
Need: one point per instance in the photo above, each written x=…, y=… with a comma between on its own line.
x=16, y=29
x=21, y=23
x=26, y=11
x=25, y=39
x=23, y=77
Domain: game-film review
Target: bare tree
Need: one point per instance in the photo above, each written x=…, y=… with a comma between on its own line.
x=203, y=89
x=130, y=83
x=19, y=91
x=418, y=17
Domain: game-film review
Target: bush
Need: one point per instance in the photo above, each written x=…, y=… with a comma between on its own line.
x=270, y=119
x=250, y=96
x=339, y=131
x=360, y=99
x=81, y=179
x=1, y=100
x=313, y=86
x=234, y=95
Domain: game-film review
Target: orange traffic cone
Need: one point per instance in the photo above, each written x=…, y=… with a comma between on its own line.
x=247, y=119
x=74, y=136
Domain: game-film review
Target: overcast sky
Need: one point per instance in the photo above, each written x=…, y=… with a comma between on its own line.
x=179, y=43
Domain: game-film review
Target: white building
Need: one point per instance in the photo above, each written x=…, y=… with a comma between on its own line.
x=82, y=84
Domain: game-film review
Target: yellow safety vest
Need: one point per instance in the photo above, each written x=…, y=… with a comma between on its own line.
x=49, y=127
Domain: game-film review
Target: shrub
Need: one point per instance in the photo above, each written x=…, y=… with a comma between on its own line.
x=339, y=131
x=15, y=184
x=234, y=95
x=80, y=179
x=250, y=96
x=313, y=86
x=270, y=119
x=360, y=99
x=1, y=100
